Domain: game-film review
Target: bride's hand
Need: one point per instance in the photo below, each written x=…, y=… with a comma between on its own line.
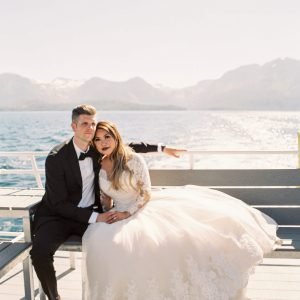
x=118, y=216
x=112, y=216
x=106, y=217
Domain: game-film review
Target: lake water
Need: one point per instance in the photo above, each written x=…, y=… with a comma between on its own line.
x=205, y=130
x=194, y=130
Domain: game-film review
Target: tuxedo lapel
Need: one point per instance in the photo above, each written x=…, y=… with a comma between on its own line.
x=96, y=156
x=73, y=160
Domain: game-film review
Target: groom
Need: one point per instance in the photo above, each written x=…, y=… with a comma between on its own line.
x=72, y=194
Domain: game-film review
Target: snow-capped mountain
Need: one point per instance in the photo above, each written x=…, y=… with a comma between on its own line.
x=274, y=85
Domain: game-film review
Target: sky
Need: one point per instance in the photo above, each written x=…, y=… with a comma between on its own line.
x=174, y=43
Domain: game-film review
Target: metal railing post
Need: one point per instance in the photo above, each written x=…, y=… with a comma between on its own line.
x=191, y=159
x=36, y=172
x=298, y=154
x=27, y=265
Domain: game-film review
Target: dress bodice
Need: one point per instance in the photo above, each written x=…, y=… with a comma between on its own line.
x=133, y=194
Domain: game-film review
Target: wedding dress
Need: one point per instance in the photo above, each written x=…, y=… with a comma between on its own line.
x=186, y=243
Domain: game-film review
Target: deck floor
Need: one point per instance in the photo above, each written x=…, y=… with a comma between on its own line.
x=273, y=280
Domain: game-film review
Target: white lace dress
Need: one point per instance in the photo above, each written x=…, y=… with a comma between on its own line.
x=186, y=243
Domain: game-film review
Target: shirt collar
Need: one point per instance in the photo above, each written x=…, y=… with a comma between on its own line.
x=78, y=150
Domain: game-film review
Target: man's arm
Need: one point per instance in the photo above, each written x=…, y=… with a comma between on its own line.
x=145, y=148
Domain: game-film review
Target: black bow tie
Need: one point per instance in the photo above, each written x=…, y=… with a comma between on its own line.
x=83, y=155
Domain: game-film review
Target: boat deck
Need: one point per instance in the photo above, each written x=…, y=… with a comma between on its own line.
x=274, y=279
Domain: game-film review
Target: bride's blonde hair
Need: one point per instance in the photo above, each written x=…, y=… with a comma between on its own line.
x=120, y=155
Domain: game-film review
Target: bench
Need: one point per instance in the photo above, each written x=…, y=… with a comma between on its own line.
x=275, y=192
x=10, y=255
x=17, y=203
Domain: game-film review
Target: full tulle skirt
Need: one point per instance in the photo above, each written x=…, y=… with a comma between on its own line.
x=187, y=243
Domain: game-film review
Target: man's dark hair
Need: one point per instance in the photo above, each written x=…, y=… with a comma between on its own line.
x=83, y=109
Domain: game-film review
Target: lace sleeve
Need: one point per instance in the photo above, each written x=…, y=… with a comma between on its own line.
x=142, y=178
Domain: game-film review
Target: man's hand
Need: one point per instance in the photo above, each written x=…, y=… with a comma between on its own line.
x=174, y=152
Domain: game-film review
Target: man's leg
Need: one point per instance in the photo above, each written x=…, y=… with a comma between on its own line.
x=78, y=228
x=46, y=240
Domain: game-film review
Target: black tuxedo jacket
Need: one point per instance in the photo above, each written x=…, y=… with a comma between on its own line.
x=63, y=189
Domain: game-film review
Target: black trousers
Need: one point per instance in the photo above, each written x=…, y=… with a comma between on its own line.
x=46, y=240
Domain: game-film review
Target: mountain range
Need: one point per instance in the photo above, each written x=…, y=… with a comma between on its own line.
x=274, y=85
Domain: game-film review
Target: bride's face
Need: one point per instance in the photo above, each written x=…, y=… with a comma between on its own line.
x=104, y=142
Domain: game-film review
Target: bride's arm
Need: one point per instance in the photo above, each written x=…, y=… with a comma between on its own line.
x=106, y=201
x=142, y=177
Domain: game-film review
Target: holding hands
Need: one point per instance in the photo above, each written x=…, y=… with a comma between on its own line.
x=110, y=217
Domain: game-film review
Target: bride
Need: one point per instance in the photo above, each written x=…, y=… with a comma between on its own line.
x=185, y=243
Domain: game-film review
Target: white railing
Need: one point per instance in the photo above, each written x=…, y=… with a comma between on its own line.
x=191, y=154
x=12, y=236
x=34, y=168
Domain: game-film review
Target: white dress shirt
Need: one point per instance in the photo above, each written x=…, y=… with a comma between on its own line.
x=88, y=176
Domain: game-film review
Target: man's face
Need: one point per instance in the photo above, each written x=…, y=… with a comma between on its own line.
x=84, y=128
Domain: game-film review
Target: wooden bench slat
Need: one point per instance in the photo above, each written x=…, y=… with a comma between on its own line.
x=11, y=254
x=226, y=177
x=73, y=243
x=295, y=246
x=11, y=251
x=265, y=196
x=288, y=231
x=283, y=215
x=291, y=240
x=73, y=240
x=3, y=245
